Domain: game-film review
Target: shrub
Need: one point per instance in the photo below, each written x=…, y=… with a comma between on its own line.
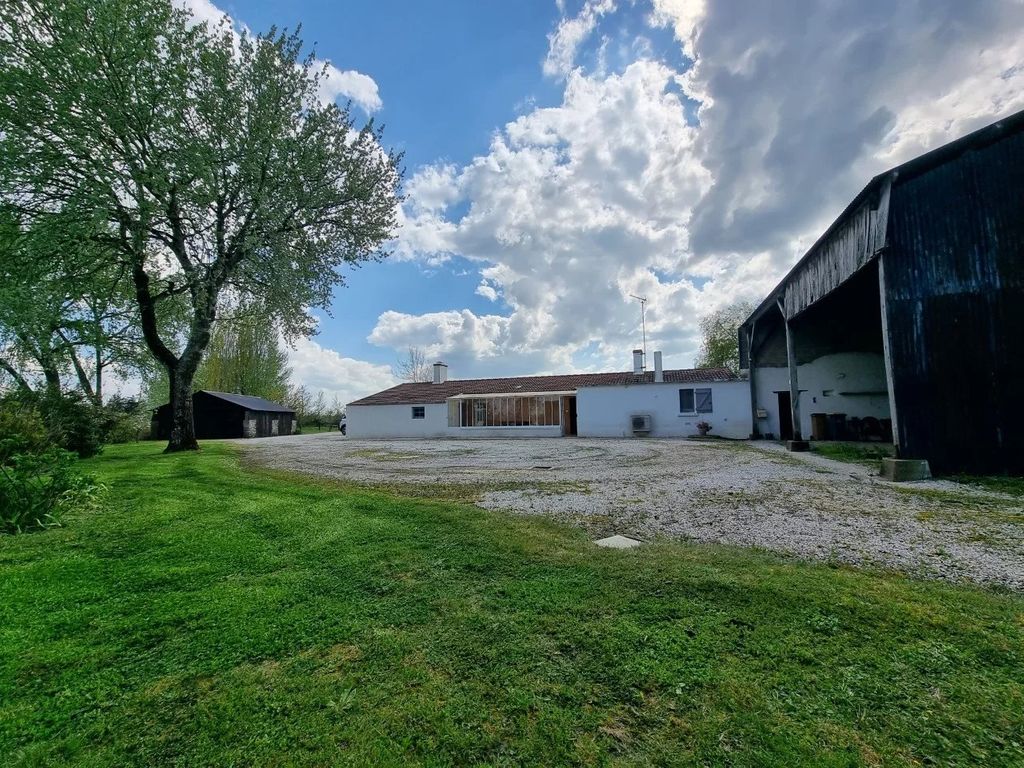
x=38, y=479
x=74, y=423
x=69, y=420
x=22, y=429
x=37, y=489
x=124, y=420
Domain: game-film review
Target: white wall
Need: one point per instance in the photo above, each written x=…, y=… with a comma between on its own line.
x=396, y=421
x=605, y=411
x=845, y=372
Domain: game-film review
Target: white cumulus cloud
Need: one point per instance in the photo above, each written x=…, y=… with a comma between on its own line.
x=693, y=185
x=336, y=84
x=321, y=368
x=570, y=34
x=360, y=88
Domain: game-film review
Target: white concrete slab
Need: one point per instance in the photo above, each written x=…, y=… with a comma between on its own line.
x=617, y=542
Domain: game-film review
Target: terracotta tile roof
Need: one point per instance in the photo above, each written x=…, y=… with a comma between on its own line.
x=427, y=392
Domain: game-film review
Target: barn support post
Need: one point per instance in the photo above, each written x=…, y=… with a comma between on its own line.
x=797, y=443
x=887, y=354
x=755, y=431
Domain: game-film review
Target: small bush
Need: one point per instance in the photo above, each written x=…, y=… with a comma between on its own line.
x=124, y=420
x=39, y=483
x=37, y=489
x=22, y=429
x=73, y=422
x=69, y=419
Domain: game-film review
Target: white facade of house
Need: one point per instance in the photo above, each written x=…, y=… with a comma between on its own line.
x=602, y=411
x=396, y=421
x=606, y=411
x=852, y=383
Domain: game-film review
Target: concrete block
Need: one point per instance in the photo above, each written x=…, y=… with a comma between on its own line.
x=798, y=446
x=617, y=542
x=905, y=470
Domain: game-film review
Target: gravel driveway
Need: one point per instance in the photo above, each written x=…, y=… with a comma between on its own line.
x=750, y=494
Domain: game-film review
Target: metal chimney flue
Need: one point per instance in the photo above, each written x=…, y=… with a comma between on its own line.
x=659, y=374
x=440, y=373
x=638, y=361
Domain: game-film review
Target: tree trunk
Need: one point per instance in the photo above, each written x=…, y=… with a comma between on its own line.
x=52, y=377
x=14, y=374
x=183, y=428
x=83, y=377
x=98, y=387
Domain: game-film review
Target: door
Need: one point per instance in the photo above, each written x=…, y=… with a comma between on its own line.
x=785, y=416
x=569, y=416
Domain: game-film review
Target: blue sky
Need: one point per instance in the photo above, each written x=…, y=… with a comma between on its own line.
x=563, y=155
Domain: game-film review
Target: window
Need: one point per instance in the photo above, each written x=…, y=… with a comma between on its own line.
x=511, y=411
x=695, y=401
x=419, y=412
x=686, y=401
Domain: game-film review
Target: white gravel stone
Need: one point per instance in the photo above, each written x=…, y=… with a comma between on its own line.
x=749, y=494
x=617, y=542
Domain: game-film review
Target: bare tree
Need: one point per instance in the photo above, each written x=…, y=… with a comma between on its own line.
x=318, y=409
x=413, y=367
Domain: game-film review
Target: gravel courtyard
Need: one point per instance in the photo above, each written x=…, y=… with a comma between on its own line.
x=749, y=494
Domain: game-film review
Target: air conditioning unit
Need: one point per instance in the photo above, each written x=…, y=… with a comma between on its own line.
x=641, y=424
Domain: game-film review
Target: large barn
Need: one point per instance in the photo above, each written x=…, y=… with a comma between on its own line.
x=905, y=320
x=222, y=415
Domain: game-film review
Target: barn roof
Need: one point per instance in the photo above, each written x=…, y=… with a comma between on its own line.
x=427, y=392
x=859, y=232
x=249, y=402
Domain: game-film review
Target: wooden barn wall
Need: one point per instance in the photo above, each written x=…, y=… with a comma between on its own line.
x=215, y=418
x=840, y=255
x=264, y=423
x=954, y=281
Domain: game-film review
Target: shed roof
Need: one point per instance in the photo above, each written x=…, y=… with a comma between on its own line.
x=249, y=402
x=427, y=392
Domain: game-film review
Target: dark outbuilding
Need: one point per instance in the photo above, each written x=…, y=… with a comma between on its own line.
x=905, y=320
x=220, y=415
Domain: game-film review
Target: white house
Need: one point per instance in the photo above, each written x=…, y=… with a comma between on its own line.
x=658, y=403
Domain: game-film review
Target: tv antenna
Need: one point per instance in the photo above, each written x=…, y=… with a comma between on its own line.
x=643, y=322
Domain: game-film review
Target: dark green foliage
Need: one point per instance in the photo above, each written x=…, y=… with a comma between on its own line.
x=215, y=616
x=73, y=422
x=39, y=481
x=125, y=420
x=38, y=489
x=22, y=428
x=69, y=420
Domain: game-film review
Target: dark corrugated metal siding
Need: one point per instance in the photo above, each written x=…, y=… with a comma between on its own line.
x=217, y=419
x=954, y=274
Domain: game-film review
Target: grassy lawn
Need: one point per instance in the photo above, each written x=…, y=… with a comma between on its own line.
x=212, y=615
x=1001, y=484
x=866, y=454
